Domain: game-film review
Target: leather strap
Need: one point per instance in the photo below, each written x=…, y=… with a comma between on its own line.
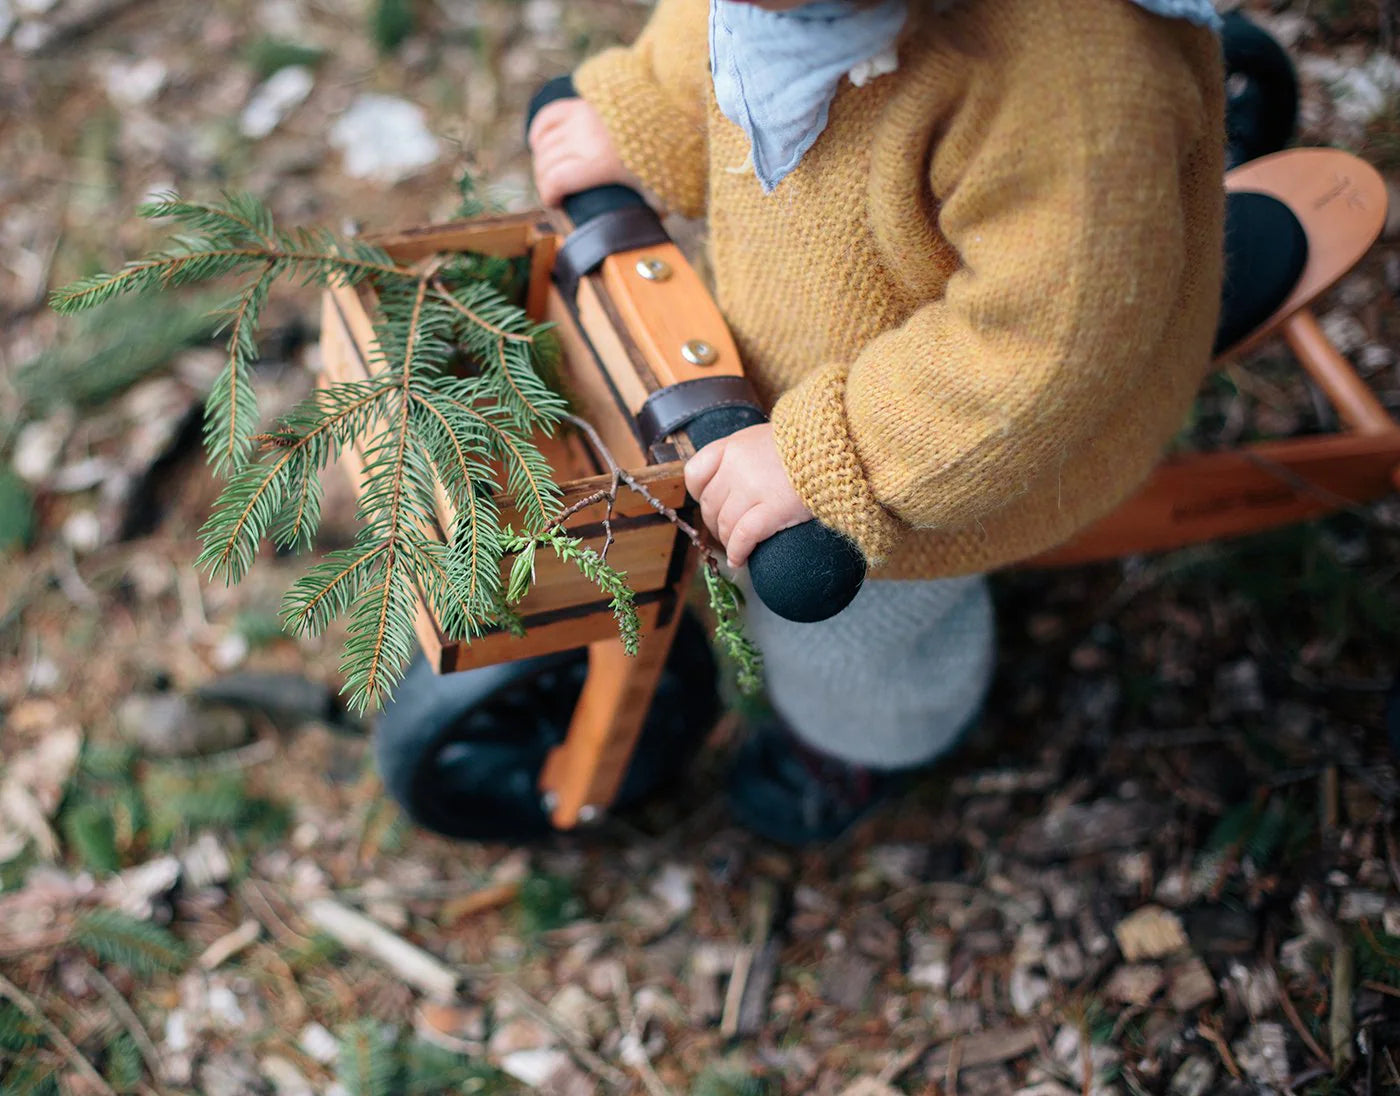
x=669, y=409
x=606, y=234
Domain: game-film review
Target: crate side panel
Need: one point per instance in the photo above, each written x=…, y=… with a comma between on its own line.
x=643, y=553
x=543, y=638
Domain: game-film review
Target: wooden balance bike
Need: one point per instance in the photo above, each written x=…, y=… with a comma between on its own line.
x=549, y=731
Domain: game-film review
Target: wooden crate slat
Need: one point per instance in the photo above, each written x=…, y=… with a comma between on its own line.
x=544, y=636
x=507, y=236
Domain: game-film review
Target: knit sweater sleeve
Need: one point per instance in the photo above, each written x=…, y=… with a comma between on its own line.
x=1064, y=180
x=652, y=97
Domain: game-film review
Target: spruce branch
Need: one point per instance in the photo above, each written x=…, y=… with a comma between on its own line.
x=80, y=1064
x=500, y=332
x=398, y=493
x=529, y=478
x=231, y=410
x=233, y=236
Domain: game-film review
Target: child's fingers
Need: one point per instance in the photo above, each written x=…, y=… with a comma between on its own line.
x=709, y=512
x=557, y=178
x=552, y=142
x=552, y=116
x=755, y=526
x=736, y=505
x=701, y=468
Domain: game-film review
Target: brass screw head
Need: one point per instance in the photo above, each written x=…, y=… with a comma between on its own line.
x=654, y=270
x=699, y=352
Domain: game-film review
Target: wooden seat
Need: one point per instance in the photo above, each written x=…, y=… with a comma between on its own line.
x=1339, y=200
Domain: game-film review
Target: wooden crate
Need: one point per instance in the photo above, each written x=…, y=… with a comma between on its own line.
x=563, y=609
x=622, y=337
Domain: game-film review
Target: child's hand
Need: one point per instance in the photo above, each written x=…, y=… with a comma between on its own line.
x=744, y=492
x=573, y=151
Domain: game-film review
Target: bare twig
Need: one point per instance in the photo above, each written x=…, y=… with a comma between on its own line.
x=762, y=909
x=230, y=944
x=1086, y=1061
x=582, y=504
x=408, y=961
x=251, y=893
x=192, y=614
x=897, y=1066
x=240, y=757
x=577, y=1045
x=71, y=582
x=1341, y=1018
x=1212, y=1034
x=129, y=1020
x=620, y=473
x=654, y=1084
x=595, y=440
x=1293, y=1018
x=669, y=514
x=25, y=1004
x=1331, y=810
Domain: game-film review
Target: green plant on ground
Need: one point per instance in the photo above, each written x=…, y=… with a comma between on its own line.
x=457, y=395
x=391, y=21
x=374, y=1062
x=266, y=55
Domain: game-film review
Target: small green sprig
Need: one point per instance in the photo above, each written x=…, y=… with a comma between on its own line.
x=727, y=604
x=591, y=565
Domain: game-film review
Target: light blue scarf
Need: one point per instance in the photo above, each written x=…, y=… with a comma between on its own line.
x=776, y=72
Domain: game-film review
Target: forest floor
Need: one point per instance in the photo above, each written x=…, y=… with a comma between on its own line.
x=1168, y=862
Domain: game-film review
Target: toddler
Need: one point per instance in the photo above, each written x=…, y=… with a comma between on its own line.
x=970, y=251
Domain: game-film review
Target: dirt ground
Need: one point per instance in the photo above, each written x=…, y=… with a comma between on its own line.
x=1166, y=863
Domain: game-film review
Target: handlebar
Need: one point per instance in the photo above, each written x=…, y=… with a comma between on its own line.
x=806, y=573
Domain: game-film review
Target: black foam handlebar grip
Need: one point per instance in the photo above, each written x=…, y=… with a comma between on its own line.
x=804, y=574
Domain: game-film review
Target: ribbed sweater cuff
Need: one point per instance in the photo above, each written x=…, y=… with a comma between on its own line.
x=814, y=441
x=658, y=144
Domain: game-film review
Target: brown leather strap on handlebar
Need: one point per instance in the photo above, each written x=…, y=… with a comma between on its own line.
x=669, y=409
x=588, y=245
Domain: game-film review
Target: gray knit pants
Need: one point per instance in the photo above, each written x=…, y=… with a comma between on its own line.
x=891, y=682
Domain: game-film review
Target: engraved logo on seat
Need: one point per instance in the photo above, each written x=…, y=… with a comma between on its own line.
x=1341, y=188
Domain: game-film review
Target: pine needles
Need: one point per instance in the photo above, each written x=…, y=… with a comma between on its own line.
x=139, y=946
x=418, y=427
x=373, y=1062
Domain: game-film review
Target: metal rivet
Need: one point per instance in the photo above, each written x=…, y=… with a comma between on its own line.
x=588, y=813
x=654, y=270
x=699, y=352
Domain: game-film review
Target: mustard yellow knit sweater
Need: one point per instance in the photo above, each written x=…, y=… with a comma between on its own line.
x=982, y=304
